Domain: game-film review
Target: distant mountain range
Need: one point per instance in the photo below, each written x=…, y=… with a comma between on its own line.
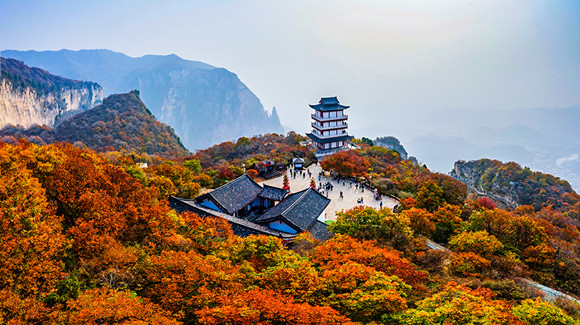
x=205, y=105
x=543, y=139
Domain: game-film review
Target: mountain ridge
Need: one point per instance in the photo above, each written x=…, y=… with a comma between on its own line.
x=30, y=95
x=204, y=104
x=121, y=122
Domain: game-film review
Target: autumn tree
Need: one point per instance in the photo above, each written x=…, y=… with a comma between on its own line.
x=32, y=245
x=421, y=221
x=18, y=309
x=266, y=307
x=367, y=223
x=447, y=222
x=362, y=293
x=185, y=282
x=342, y=249
x=105, y=306
x=479, y=242
x=457, y=304
x=429, y=196
x=515, y=231
x=536, y=311
x=347, y=163
x=292, y=275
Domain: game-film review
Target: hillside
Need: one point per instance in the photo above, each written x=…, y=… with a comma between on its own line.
x=516, y=185
x=122, y=122
x=30, y=95
x=118, y=254
x=204, y=104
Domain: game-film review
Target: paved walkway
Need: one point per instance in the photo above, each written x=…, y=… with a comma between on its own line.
x=350, y=193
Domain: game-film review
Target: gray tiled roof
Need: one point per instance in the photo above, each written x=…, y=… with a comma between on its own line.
x=234, y=195
x=319, y=231
x=328, y=104
x=320, y=107
x=272, y=193
x=299, y=209
x=240, y=226
x=329, y=100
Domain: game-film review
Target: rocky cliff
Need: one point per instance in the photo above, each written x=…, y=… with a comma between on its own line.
x=122, y=122
x=30, y=96
x=204, y=104
x=393, y=144
x=513, y=185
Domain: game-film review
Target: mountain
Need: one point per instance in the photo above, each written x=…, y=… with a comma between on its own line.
x=393, y=144
x=122, y=122
x=545, y=139
x=30, y=95
x=204, y=104
x=514, y=185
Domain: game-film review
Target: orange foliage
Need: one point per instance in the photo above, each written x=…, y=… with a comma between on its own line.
x=265, y=307
x=421, y=221
x=183, y=282
x=362, y=293
x=31, y=242
x=17, y=310
x=457, y=304
x=101, y=305
x=341, y=249
x=468, y=264
x=348, y=163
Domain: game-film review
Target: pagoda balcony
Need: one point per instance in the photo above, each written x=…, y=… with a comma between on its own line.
x=328, y=136
x=325, y=128
x=329, y=119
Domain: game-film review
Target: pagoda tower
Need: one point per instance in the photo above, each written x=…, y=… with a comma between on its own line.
x=329, y=127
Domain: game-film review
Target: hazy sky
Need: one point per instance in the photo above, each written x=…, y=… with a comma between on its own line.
x=389, y=60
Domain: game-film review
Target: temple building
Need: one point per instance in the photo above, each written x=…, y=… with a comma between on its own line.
x=329, y=127
x=252, y=209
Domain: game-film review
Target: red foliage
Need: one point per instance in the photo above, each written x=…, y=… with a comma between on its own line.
x=486, y=203
x=342, y=249
x=348, y=163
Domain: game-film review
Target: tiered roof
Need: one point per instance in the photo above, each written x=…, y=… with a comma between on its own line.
x=328, y=104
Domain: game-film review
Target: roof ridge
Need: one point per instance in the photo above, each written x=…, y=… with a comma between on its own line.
x=295, y=202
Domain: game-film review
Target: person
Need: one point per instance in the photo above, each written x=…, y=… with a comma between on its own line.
x=362, y=200
x=341, y=194
x=381, y=204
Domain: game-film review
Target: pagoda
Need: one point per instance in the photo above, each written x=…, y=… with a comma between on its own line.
x=329, y=127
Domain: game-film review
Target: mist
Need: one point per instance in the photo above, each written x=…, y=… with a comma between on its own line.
x=398, y=64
